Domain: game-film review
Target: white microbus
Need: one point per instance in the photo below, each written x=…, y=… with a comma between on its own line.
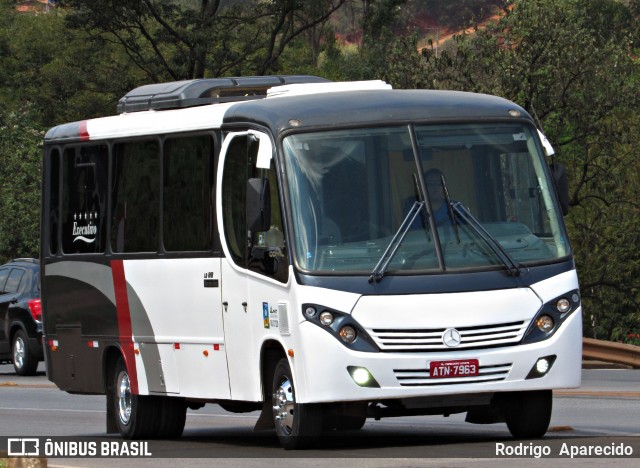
x=323, y=252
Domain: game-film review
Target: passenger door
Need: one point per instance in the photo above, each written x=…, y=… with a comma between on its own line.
x=255, y=270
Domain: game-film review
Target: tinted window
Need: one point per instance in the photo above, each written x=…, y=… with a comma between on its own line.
x=53, y=188
x=13, y=281
x=135, y=197
x=188, y=194
x=3, y=278
x=234, y=196
x=84, y=199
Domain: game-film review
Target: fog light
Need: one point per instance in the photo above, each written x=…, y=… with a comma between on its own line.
x=563, y=305
x=348, y=334
x=545, y=323
x=310, y=312
x=541, y=367
x=362, y=377
x=326, y=318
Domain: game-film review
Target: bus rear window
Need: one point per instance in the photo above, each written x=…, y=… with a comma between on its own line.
x=84, y=199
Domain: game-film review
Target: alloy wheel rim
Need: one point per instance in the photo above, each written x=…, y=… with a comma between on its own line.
x=283, y=406
x=123, y=395
x=19, y=353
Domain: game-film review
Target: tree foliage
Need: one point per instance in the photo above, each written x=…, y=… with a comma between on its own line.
x=20, y=155
x=571, y=64
x=169, y=40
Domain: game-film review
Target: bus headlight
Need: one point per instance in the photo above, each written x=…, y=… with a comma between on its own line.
x=545, y=323
x=563, y=305
x=348, y=334
x=326, y=318
x=341, y=326
x=551, y=316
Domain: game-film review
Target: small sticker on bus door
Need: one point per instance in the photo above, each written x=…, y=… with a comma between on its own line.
x=265, y=314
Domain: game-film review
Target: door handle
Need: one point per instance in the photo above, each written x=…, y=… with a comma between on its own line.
x=225, y=304
x=244, y=304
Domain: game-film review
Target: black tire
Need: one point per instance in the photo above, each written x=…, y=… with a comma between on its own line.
x=173, y=417
x=144, y=416
x=24, y=362
x=298, y=426
x=528, y=414
x=137, y=416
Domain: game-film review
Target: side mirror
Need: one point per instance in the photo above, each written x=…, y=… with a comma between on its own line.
x=258, y=205
x=559, y=172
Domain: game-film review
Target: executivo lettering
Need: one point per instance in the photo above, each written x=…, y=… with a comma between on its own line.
x=85, y=232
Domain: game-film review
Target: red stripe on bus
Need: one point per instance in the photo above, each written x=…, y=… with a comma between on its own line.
x=124, y=321
x=84, y=133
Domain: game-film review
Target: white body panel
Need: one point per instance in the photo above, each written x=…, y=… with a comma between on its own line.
x=157, y=122
x=186, y=327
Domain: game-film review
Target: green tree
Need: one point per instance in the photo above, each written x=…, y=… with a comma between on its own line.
x=63, y=73
x=168, y=40
x=570, y=64
x=20, y=156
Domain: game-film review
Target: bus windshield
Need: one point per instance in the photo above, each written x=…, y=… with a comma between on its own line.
x=490, y=199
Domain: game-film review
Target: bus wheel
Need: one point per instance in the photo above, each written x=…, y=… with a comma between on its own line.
x=528, y=414
x=23, y=362
x=297, y=425
x=137, y=416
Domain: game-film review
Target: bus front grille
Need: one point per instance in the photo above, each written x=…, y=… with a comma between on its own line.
x=422, y=377
x=475, y=337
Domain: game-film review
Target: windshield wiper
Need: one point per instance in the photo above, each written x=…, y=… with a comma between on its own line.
x=513, y=268
x=452, y=216
x=382, y=265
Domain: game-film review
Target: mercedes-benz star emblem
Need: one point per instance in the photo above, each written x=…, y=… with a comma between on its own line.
x=451, y=337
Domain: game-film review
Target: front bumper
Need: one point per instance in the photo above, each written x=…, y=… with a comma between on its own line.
x=323, y=376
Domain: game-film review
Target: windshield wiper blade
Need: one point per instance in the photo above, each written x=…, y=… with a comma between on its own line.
x=513, y=268
x=382, y=265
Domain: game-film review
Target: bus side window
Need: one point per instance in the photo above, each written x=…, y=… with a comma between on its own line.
x=135, y=197
x=52, y=187
x=187, y=200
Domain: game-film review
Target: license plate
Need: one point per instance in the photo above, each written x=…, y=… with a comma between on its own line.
x=456, y=368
